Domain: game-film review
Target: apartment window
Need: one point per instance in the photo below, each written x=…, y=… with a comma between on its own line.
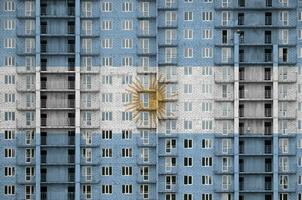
x=126, y=97
x=9, y=190
x=9, y=43
x=87, y=27
x=225, y=18
x=9, y=153
x=240, y=18
x=188, y=180
x=283, y=54
x=86, y=190
x=106, y=134
x=127, y=43
x=206, y=161
x=127, y=189
x=170, y=18
x=187, y=106
x=226, y=182
x=268, y=3
x=9, y=61
x=106, y=6
x=126, y=152
x=106, y=25
x=107, y=171
x=106, y=153
x=206, y=144
x=187, y=71
x=126, y=171
x=127, y=6
x=299, y=196
x=268, y=18
x=9, y=135
x=207, y=52
x=106, y=189
x=9, y=171
x=127, y=25
x=284, y=181
x=226, y=145
x=9, y=5
x=207, y=16
x=283, y=36
x=9, y=116
x=187, y=88
x=188, y=34
x=170, y=54
x=144, y=27
x=283, y=17
x=188, y=1
x=206, y=180
x=107, y=116
x=206, y=106
x=87, y=9
x=206, y=196
x=188, y=16
x=9, y=24
x=188, y=52
x=206, y=125
x=107, y=61
x=126, y=116
x=225, y=55
x=106, y=43
x=170, y=35
x=207, y=34
x=188, y=161
x=107, y=79
x=188, y=143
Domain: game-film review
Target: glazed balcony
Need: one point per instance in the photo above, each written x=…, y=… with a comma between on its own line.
x=57, y=86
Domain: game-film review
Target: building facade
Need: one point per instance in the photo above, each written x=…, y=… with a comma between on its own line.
x=218, y=84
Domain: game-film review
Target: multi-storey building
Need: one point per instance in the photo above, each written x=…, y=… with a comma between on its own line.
x=218, y=84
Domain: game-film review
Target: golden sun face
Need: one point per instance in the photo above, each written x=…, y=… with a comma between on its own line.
x=147, y=99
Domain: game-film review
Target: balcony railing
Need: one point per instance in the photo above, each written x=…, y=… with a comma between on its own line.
x=69, y=122
x=70, y=85
x=67, y=103
x=268, y=149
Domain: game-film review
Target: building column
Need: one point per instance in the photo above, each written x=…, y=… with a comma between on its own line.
x=275, y=124
x=236, y=116
x=37, y=96
x=77, y=101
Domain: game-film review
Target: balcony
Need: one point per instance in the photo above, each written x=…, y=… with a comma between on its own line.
x=57, y=195
x=68, y=122
x=166, y=6
x=62, y=50
x=47, y=12
x=57, y=86
x=60, y=104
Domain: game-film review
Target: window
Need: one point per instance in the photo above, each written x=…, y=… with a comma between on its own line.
x=226, y=17
x=107, y=79
x=188, y=34
x=107, y=97
x=9, y=24
x=225, y=55
x=127, y=189
x=283, y=17
x=284, y=181
x=106, y=43
x=126, y=171
x=188, y=180
x=188, y=143
x=106, y=153
x=106, y=6
x=107, y=61
x=187, y=88
x=86, y=190
x=207, y=16
x=9, y=171
x=9, y=135
x=207, y=52
x=127, y=6
x=127, y=25
x=126, y=97
x=206, y=106
x=106, y=134
x=9, y=61
x=170, y=18
x=9, y=190
x=9, y=116
x=127, y=61
x=207, y=34
x=187, y=106
x=206, y=180
x=206, y=125
x=126, y=79
x=283, y=36
x=126, y=152
x=106, y=25
x=9, y=5
x=107, y=171
x=188, y=52
x=107, y=189
x=187, y=124
x=127, y=43
x=206, y=161
x=9, y=43
x=206, y=144
x=188, y=161
x=188, y=16
x=107, y=116
x=206, y=196
x=126, y=116
x=86, y=9
x=9, y=153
